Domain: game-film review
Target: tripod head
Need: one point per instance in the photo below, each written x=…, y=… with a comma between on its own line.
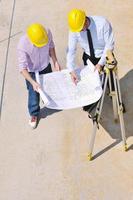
x=110, y=59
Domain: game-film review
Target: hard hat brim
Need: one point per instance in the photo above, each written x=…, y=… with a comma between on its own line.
x=76, y=30
x=40, y=45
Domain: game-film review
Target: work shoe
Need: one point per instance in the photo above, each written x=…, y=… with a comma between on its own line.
x=33, y=122
x=90, y=107
x=86, y=108
x=124, y=109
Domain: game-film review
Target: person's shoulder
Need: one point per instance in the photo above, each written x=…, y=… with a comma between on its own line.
x=48, y=30
x=99, y=18
x=22, y=41
x=100, y=21
x=73, y=34
x=49, y=33
x=23, y=38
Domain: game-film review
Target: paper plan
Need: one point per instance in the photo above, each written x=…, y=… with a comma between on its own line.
x=62, y=93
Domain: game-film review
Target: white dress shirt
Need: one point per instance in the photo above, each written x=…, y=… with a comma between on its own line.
x=102, y=38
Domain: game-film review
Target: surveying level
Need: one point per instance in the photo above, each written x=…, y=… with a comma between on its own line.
x=110, y=78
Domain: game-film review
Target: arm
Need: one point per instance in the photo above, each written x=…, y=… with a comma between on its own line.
x=23, y=66
x=71, y=53
x=52, y=54
x=109, y=42
x=27, y=76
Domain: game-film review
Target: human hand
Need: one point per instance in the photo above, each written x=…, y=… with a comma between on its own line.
x=74, y=77
x=36, y=86
x=57, y=66
x=98, y=67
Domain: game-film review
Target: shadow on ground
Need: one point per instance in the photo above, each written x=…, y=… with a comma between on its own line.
x=107, y=119
x=45, y=112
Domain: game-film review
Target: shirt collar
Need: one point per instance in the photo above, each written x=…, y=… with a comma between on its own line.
x=90, y=25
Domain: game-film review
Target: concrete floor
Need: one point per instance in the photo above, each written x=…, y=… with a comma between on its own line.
x=50, y=163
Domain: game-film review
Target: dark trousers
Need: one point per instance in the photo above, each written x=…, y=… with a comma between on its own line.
x=85, y=57
x=33, y=96
x=94, y=60
x=89, y=108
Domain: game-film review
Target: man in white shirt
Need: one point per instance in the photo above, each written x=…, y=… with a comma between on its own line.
x=101, y=35
x=95, y=36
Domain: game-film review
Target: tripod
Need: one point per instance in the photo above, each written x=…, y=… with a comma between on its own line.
x=110, y=77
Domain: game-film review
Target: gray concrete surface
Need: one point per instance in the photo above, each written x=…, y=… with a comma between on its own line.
x=50, y=163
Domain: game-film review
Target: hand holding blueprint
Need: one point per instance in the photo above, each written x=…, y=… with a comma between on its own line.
x=59, y=92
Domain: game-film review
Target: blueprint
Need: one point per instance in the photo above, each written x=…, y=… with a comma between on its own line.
x=59, y=92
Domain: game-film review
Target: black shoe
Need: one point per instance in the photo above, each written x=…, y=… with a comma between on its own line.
x=90, y=108
x=124, y=109
x=86, y=108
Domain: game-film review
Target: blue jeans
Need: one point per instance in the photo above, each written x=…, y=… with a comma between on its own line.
x=33, y=96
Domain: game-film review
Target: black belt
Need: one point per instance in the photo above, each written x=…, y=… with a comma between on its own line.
x=48, y=69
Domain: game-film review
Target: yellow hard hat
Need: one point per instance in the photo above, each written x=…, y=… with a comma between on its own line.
x=76, y=20
x=37, y=35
